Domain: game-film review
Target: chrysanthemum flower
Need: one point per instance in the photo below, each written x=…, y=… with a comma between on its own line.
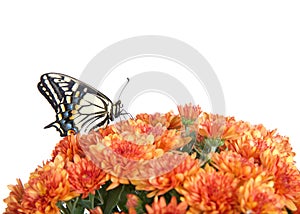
x=106, y=151
x=168, y=120
x=159, y=206
x=68, y=147
x=15, y=198
x=189, y=112
x=248, y=148
x=121, y=157
x=111, y=163
x=286, y=178
x=210, y=191
x=165, y=182
x=218, y=126
x=281, y=144
x=131, y=150
x=132, y=200
x=256, y=139
x=84, y=176
x=250, y=169
x=46, y=187
x=134, y=204
x=173, y=121
x=171, y=139
x=231, y=162
x=153, y=119
x=256, y=196
x=189, y=115
x=143, y=116
x=139, y=132
x=234, y=131
x=135, y=149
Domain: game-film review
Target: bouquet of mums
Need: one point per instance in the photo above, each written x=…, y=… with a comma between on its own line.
x=191, y=162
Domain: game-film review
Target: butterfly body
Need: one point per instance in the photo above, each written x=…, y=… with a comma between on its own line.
x=78, y=106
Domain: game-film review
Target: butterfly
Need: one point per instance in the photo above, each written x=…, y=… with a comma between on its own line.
x=79, y=106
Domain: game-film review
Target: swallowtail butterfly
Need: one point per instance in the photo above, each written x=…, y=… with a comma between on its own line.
x=78, y=106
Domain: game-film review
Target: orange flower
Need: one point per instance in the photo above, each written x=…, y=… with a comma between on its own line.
x=134, y=144
x=134, y=149
x=259, y=197
x=15, y=198
x=138, y=132
x=281, y=144
x=119, y=157
x=286, y=178
x=173, y=121
x=256, y=138
x=189, y=112
x=143, y=116
x=68, y=147
x=163, y=183
x=210, y=191
x=231, y=162
x=248, y=148
x=84, y=176
x=189, y=118
x=133, y=203
x=168, y=120
x=111, y=152
x=92, y=138
x=111, y=163
x=47, y=186
x=153, y=119
x=171, y=139
x=218, y=126
x=130, y=126
x=111, y=129
x=143, y=134
x=159, y=206
x=131, y=150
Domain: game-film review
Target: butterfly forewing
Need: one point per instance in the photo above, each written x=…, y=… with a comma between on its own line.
x=78, y=106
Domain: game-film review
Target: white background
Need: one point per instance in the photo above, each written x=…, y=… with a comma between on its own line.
x=253, y=47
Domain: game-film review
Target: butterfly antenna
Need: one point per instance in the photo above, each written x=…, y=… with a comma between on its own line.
x=123, y=88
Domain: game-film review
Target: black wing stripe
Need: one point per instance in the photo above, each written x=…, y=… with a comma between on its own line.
x=50, y=91
x=88, y=124
x=47, y=94
x=96, y=122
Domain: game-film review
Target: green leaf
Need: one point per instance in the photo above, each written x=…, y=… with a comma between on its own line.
x=86, y=204
x=98, y=201
x=128, y=189
x=112, y=199
x=78, y=210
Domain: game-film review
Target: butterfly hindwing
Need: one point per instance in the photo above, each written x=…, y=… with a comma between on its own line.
x=78, y=106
